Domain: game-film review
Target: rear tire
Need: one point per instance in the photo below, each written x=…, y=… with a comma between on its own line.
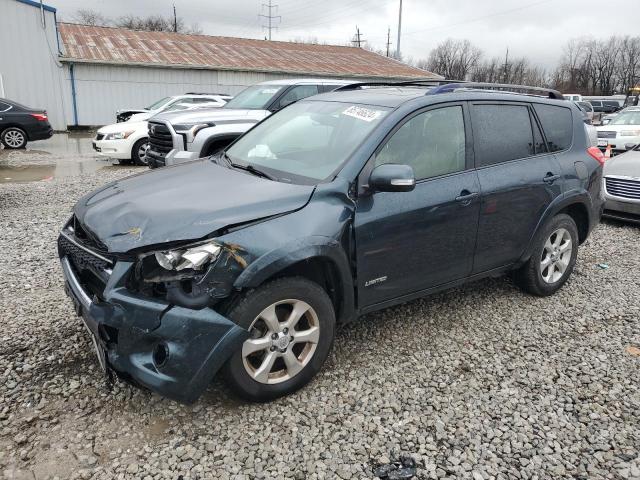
x=292, y=326
x=553, y=258
x=138, y=152
x=14, y=138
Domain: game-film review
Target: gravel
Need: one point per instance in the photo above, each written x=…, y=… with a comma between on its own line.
x=479, y=382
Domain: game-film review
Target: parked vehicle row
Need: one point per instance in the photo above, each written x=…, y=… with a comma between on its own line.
x=20, y=125
x=622, y=132
x=179, y=137
x=246, y=261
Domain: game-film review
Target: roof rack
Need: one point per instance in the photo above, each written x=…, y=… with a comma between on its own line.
x=498, y=88
x=205, y=93
x=407, y=83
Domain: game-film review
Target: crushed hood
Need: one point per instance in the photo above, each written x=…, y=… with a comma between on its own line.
x=123, y=127
x=185, y=202
x=626, y=164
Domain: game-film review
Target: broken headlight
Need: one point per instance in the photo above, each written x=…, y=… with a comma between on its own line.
x=194, y=258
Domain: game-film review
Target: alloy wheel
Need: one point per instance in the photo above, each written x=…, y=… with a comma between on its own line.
x=14, y=138
x=284, y=338
x=142, y=153
x=556, y=255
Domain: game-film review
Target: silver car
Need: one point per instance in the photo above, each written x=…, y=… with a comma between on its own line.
x=622, y=186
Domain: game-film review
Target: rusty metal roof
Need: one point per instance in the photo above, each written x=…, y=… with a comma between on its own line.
x=107, y=45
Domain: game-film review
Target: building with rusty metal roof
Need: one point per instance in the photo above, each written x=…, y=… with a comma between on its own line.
x=82, y=74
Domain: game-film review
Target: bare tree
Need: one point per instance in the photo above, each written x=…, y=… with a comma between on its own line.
x=87, y=16
x=454, y=59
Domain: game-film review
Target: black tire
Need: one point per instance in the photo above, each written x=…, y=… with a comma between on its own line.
x=138, y=147
x=250, y=306
x=14, y=138
x=529, y=277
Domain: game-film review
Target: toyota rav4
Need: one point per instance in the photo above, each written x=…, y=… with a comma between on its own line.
x=338, y=205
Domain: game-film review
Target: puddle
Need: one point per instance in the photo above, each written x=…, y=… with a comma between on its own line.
x=63, y=155
x=34, y=173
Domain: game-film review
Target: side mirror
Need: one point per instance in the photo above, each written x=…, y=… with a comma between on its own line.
x=392, y=177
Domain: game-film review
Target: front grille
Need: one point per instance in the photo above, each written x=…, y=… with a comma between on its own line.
x=99, y=136
x=622, y=187
x=93, y=272
x=606, y=134
x=160, y=139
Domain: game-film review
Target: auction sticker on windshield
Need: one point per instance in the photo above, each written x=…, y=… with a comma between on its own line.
x=362, y=113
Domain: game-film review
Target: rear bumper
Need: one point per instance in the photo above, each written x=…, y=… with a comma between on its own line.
x=171, y=350
x=41, y=133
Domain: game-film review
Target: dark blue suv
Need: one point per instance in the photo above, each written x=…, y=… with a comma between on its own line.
x=338, y=205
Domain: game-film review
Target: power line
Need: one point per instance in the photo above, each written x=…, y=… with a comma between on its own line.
x=270, y=16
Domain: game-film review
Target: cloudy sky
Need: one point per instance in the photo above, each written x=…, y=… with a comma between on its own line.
x=533, y=28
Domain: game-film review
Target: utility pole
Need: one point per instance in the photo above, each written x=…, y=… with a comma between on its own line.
x=175, y=19
x=388, y=40
x=358, y=38
x=506, y=65
x=270, y=16
x=399, y=31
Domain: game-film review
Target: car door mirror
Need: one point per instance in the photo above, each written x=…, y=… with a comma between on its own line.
x=391, y=177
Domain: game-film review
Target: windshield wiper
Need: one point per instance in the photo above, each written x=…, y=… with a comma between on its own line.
x=247, y=168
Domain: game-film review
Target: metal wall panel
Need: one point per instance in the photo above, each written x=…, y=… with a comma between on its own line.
x=29, y=67
x=102, y=89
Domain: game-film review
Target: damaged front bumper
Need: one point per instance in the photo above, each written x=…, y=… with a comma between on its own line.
x=172, y=350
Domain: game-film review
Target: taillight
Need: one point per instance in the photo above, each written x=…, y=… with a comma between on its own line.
x=39, y=116
x=596, y=154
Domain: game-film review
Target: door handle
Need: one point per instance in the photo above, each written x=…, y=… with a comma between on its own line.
x=466, y=196
x=550, y=178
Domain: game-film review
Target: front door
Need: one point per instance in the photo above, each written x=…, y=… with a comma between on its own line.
x=411, y=241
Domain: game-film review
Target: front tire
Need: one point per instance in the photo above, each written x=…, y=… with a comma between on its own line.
x=292, y=325
x=14, y=138
x=139, y=152
x=553, y=258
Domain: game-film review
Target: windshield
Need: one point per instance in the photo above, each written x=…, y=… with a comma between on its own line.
x=308, y=141
x=257, y=97
x=626, y=118
x=153, y=106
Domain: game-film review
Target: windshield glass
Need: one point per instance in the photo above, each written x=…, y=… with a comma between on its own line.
x=308, y=141
x=626, y=118
x=257, y=97
x=153, y=106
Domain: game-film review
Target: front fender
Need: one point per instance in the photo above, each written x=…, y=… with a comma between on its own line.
x=318, y=247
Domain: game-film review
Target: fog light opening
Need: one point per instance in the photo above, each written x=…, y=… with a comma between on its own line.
x=160, y=354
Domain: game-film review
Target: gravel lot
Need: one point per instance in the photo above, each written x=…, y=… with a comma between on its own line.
x=479, y=382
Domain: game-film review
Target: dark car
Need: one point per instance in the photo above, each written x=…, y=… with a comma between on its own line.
x=338, y=205
x=604, y=106
x=20, y=124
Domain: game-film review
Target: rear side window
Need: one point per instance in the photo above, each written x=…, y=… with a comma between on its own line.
x=501, y=133
x=557, y=124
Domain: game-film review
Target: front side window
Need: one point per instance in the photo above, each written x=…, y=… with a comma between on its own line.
x=4, y=107
x=308, y=141
x=257, y=97
x=432, y=143
x=501, y=133
x=297, y=93
x=557, y=123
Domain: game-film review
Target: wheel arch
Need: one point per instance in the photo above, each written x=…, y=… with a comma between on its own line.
x=222, y=140
x=319, y=259
x=576, y=206
x=15, y=125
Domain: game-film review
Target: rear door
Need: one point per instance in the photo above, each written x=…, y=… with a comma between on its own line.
x=412, y=241
x=518, y=178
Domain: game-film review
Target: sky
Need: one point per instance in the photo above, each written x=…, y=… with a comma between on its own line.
x=537, y=29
